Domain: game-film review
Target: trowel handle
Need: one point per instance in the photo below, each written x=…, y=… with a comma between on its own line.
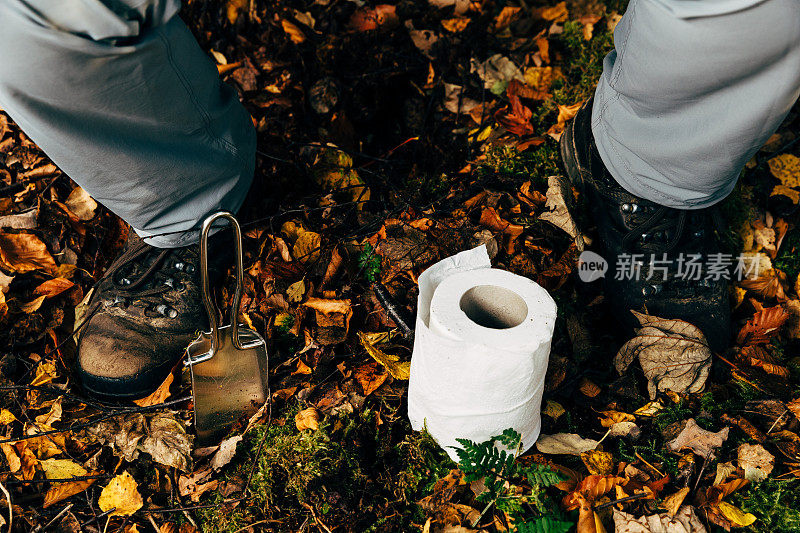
x=208, y=301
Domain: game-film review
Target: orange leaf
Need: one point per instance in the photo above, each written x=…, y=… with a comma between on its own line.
x=369, y=377
x=24, y=252
x=53, y=287
x=763, y=325
x=158, y=395
x=62, y=491
x=381, y=16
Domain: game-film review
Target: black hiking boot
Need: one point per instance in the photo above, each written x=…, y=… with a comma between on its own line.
x=633, y=232
x=142, y=315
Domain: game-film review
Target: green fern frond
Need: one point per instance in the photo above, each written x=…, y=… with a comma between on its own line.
x=545, y=524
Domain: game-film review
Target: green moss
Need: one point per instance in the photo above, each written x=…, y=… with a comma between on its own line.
x=788, y=259
x=775, y=503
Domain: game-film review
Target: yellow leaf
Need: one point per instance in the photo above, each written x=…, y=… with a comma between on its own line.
x=455, y=25
x=328, y=307
x=306, y=248
x=598, y=463
x=294, y=33
x=673, y=502
x=62, y=491
x=45, y=373
x=541, y=78
x=295, y=291
x=783, y=190
x=736, y=515
x=392, y=363
x=649, y=409
x=557, y=13
x=307, y=419
x=612, y=417
x=553, y=409
x=6, y=417
x=30, y=307
x=786, y=167
x=122, y=495
x=61, y=468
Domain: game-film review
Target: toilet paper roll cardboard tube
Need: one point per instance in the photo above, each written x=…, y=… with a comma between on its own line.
x=494, y=307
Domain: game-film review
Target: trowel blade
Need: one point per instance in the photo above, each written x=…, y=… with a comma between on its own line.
x=232, y=384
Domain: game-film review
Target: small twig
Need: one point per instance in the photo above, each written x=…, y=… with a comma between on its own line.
x=392, y=310
x=776, y=422
x=316, y=520
x=53, y=521
x=620, y=500
x=96, y=518
x=700, y=474
x=10, y=508
x=480, y=517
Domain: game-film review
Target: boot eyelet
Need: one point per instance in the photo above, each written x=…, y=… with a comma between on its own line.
x=645, y=237
x=626, y=208
x=180, y=265
x=167, y=311
x=189, y=268
x=699, y=233
x=124, y=282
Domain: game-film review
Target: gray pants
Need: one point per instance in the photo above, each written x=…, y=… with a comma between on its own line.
x=119, y=94
x=692, y=90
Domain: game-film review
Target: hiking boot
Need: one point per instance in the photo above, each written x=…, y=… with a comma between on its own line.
x=142, y=315
x=659, y=242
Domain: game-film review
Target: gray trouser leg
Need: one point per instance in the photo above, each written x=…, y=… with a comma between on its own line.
x=692, y=90
x=121, y=97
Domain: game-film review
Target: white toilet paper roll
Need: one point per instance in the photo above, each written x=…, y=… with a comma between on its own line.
x=480, y=353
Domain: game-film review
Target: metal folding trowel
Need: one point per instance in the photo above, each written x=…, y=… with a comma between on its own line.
x=229, y=364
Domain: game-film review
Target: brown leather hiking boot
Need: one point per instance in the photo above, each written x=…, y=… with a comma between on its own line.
x=142, y=314
x=653, y=251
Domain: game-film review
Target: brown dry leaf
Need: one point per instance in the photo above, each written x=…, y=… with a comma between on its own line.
x=382, y=16
x=786, y=167
x=589, y=388
x=762, y=326
x=158, y=395
x=24, y=252
x=62, y=491
x=517, y=120
x=492, y=220
x=32, y=306
x=559, y=200
x=598, y=463
x=588, y=22
x=307, y=246
x=673, y=502
x=553, y=409
x=81, y=204
x=233, y=9
x=369, y=377
x=756, y=462
x=307, y=419
x=693, y=437
x=506, y=16
x=53, y=287
x=556, y=13
x=684, y=521
x=53, y=415
x=121, y=495
x=6, y=417
x=565, y=444
x=782, y=190
x=398, y=369
x=295, y=34
x=674, y=354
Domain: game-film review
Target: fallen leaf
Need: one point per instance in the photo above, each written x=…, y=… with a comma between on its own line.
x=565, y=113
x=762, y=326
x=625, y=429
x=369, y=377
x=674, y=354
x=307, y=419
x=398, y=369
x=612, y=417
x=736, y=515
x=6, y=417
x=158, y=395
x=45, y=373
x=723, y=471
x=225, y=453
x=597, y=462
x=557, y=208
x=61, y=468
x=782, y=190
x=565, y=444
x=296, y=291
x=455, y=25
x=81, y=204
x=32, y=306
x=62, y=491
x=786, y=167
x=53, y=287
x=698, y=440
x=684, y=521
x=756, y=462
x=673, y=502
x=295, y=34
x=121, y=495
x=307, y=246
x=553, y=409
x=496, y=72
x=589, y=388
x=233, y=9
x=382, y=16
x=24, y=252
